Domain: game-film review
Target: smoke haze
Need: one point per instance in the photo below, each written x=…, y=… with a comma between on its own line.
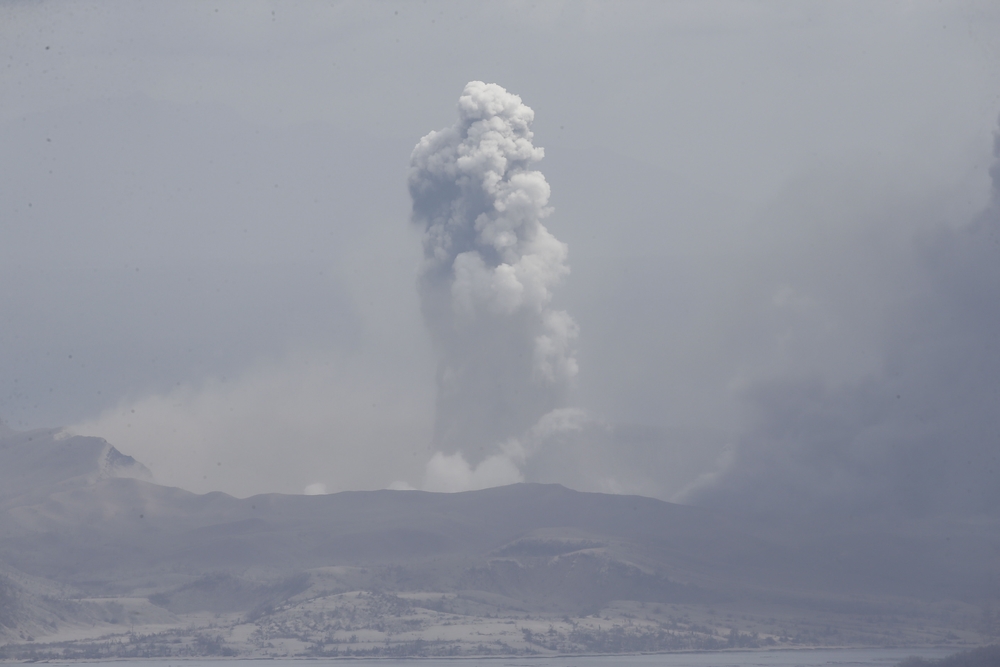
x=779, y=294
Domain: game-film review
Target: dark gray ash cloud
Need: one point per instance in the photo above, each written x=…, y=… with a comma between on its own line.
x=922, y=435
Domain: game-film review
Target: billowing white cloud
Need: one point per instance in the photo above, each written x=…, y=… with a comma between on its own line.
x=452, y=472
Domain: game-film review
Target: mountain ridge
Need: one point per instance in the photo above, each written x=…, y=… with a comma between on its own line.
x=85, y=540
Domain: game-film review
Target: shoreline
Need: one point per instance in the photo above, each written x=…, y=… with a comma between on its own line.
x=948, y=650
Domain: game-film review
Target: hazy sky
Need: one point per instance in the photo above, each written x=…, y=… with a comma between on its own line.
x=207, y=254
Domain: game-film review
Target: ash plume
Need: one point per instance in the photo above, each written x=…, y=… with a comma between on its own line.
x=506, y=356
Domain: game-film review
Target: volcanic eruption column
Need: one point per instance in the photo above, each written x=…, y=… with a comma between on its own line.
x=505, y=355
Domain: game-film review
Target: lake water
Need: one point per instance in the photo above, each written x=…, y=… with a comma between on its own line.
x=854, y=657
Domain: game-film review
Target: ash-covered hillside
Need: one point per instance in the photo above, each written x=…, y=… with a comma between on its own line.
x=91, y=549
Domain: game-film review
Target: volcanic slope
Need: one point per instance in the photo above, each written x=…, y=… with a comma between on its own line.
x=91, y=549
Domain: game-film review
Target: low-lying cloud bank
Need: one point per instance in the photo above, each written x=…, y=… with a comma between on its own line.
x=312, y=422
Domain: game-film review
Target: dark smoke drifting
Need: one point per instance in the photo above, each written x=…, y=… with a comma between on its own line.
x=505, y=355
x=923, y=435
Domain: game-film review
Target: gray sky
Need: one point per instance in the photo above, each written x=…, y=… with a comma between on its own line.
x=206, y=253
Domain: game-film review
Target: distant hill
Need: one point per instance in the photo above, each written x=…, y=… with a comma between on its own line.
x=37, y=463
